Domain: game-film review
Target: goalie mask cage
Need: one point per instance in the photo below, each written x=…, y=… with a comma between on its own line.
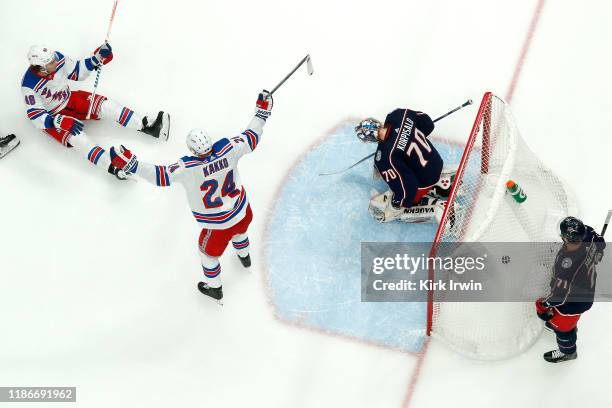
x=479, y=210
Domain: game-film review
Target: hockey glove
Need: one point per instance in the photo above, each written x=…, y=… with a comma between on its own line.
x=102, y=55
x=72, y=125
x=123, y=159
x=543, y=311
x=263, y=107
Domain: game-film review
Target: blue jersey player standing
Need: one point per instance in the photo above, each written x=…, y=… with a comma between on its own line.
x=410, y=165
x=572, y=287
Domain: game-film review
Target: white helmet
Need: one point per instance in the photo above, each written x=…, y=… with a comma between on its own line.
x=40, y=55
x=199, y=142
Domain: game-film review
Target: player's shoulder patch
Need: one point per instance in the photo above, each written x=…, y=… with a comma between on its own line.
x=30, y=79
x=566, y=263
x=191, y=161
x=222, y=147
x=61, y=60
x=378, y=155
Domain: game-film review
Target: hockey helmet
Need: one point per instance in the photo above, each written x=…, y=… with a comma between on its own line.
x=367, y=130
x=41, y=55
x=199, y=142
x=572, y=230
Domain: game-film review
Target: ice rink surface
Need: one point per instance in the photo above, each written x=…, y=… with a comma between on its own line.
x=98, y=277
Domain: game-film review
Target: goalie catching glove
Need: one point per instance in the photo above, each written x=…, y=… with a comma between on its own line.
x=123, y=162
x=263, y=107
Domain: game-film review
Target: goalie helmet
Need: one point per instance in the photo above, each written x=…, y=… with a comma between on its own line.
x=367, y=130
x=572, y=230
x=199, y=142
x=40, y=55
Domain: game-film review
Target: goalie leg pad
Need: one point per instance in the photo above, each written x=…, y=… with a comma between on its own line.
x=443, y=187
x=382, y=210
x=429, y=209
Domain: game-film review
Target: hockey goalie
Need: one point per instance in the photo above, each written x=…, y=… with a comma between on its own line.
x=410, y=165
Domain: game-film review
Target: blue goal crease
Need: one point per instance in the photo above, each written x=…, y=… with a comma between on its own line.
x=314, y=246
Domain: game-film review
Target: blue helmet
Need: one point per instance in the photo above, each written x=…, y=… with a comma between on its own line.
x=367, y=130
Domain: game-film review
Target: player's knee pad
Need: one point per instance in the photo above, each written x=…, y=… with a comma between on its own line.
x=208, y=261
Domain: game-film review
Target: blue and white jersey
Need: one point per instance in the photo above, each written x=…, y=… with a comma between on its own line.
x=45, y=96
x=214, y=190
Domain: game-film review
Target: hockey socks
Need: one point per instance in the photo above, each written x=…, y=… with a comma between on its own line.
x=112, y=110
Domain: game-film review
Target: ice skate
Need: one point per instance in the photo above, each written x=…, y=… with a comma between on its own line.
x=245, y=261
x=215, y=293
x=556, y=356
x=159, y=128
x=7, y=144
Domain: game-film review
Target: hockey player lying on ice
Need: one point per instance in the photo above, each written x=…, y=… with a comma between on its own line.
x=59, y=112
x=215, y=193
x=410, y=165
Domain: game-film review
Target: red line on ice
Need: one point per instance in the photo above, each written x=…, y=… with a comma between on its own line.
x=535, y=19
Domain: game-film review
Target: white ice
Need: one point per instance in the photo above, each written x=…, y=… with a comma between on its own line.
x=97, y=277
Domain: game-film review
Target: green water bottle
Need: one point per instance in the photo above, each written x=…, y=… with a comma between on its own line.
x=516, y=191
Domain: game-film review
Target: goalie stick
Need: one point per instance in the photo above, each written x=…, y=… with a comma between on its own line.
x=466, y=103
x=99, y=69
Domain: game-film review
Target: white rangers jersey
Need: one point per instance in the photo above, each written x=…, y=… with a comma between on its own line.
x=47, y=95
x=212, y=184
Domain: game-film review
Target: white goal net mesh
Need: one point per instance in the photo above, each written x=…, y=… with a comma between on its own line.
x=480, y=210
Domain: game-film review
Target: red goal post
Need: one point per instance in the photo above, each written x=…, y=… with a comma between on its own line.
x=484, y=111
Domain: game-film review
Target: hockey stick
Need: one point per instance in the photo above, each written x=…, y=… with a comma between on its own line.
x=309, y=69
x=466, y=103
x=605, y=227
x=99, y=69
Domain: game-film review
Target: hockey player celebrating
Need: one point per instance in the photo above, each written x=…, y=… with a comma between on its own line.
x=409, y=164
x=215, y=193
x=57, y=110
x=8, y=143
x=572, y=288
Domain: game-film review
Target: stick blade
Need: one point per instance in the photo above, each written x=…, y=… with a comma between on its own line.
x=309, y=66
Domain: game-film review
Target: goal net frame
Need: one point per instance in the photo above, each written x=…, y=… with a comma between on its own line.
x=481, y=129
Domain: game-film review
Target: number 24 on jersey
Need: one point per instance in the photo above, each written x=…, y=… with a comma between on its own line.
x=209, y=187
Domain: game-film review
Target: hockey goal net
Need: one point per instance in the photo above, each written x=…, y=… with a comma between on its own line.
x=480, y=210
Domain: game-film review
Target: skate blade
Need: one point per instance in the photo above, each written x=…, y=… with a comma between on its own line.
x=10, y=147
